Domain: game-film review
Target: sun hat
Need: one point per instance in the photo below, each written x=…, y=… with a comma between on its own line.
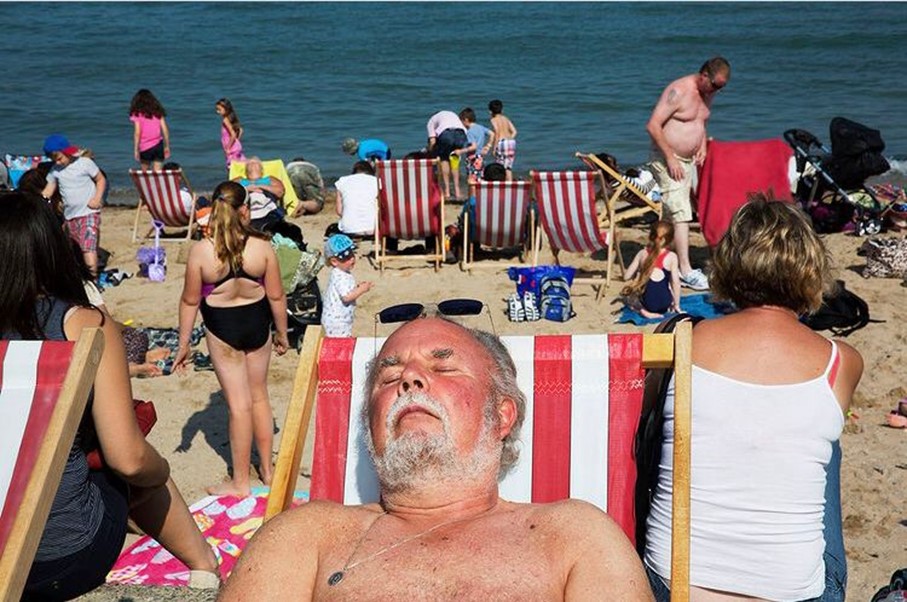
x=59, y=143
x=340, y=246
x=349, y=145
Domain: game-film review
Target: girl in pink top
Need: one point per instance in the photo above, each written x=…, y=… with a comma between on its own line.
x=230, y=131
x=151, y=137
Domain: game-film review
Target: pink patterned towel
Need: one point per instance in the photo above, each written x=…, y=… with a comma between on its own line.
x=226, y=522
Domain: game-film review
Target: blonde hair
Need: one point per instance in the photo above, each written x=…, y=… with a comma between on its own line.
x=770, y=255
x=228, y=230
x=661, y=235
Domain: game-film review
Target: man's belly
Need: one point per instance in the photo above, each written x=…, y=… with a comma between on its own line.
x=684, y=138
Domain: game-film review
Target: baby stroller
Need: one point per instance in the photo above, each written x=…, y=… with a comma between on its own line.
x=831, y=183
x=299, y=269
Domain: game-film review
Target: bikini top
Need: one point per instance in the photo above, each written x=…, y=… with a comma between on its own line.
x=207, y=289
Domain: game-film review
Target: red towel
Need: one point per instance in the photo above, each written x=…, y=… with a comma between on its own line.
x=734, y=169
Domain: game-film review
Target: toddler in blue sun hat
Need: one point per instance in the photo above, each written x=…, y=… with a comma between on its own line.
x=339, y=298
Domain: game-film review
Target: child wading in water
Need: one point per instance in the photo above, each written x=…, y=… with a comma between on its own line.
x=504, y=137
x=656, y=289
x=151, y=138
x=230, y=131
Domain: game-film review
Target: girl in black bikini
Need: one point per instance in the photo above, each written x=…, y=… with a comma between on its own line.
x=234, y=279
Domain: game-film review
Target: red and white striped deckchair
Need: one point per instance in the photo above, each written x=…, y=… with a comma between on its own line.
x=584, y=396
x=43, y=389
x=501, y=213
x=410, y=207
x=159, y=191
x=566, y=203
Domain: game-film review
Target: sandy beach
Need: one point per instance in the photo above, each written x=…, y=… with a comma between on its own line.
x=192, y=417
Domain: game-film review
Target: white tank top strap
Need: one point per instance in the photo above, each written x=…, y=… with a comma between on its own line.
x=834, y=362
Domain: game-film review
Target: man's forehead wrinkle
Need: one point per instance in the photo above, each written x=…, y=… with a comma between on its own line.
x=442, y=353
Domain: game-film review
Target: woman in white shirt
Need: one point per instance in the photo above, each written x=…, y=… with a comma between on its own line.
x=770, y=396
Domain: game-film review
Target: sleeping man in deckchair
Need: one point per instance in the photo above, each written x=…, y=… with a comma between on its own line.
x=443, y=416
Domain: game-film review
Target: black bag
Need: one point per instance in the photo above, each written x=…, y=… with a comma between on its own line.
x=842, y=312
x=856, y=153
x=649, y=434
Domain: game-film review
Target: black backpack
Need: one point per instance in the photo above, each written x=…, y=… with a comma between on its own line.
x=842, y=312
x=649, y=434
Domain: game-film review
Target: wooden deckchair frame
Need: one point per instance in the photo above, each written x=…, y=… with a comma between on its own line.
x=659, y=351
x=19, y=552
x=143, y=203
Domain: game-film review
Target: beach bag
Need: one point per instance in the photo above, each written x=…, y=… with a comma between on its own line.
x=842, y=312
x=885, y=258
x=530, y=278
x=554, y=300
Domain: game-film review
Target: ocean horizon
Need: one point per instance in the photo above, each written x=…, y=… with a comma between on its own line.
x=572, y=76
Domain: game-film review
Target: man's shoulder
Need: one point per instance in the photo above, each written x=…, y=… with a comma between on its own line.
x=567, y=516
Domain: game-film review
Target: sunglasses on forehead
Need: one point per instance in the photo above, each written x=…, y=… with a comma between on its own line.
x=404, y=312
x=450, y=308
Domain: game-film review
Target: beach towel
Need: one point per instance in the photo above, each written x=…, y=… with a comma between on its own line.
x=696, y=305
x=731, y=171
x=227, y=523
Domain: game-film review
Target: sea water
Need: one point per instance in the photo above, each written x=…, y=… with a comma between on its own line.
x=572, y=76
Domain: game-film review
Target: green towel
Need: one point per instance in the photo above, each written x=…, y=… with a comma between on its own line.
x=288, y=260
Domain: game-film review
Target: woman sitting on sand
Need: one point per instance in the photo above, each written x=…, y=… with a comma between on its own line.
x=769, y=399
x=44, y=299
x=233, y=277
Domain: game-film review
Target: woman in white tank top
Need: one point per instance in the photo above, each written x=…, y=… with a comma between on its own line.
x=769, y=399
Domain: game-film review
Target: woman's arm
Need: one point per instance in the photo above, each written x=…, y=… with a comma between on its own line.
x=125, y=450
x=136, y=134
x=339, y=204
x=673, y=264
x=277, y=299
x=189, y=302
x=165, y=131
x=849, y=374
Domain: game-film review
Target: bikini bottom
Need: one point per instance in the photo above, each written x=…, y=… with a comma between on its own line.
x=243, y=327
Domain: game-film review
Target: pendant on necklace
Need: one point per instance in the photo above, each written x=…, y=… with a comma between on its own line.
x=335, y=578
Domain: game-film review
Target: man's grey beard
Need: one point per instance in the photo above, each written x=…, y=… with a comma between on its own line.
x=416, y=459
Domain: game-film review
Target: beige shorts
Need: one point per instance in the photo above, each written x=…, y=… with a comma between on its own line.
x=675, y=195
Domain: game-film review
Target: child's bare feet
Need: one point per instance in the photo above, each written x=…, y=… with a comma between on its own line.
x=266, y=473
x=648, y=314
x=229, y=488
x=146, y=370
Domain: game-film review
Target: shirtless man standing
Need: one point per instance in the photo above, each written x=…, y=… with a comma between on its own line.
x=677, y=128
x=443, y=415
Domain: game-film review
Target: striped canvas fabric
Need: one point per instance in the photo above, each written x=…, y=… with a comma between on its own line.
x=566, y=202
x=501, y=211
x=31, y=374
x=408, y=198
x=160, y=191
x=584, y=397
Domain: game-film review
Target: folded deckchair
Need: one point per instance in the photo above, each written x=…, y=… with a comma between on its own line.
x=566, y=202
x=43, y=389
x=734, y=170
x=410, y=207
x=501, y=215
x=584, y=397
x=159, y=191
x=276, y=169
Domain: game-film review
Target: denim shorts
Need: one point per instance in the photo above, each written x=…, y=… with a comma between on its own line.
x=447, y=142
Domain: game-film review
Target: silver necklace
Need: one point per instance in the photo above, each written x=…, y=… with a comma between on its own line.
x=337, y=576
